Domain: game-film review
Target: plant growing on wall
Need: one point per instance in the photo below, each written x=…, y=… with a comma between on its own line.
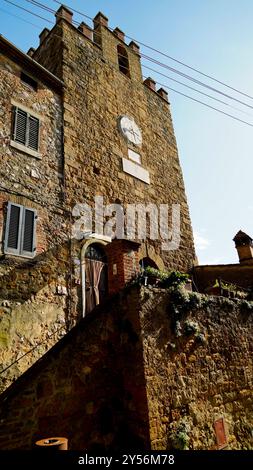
x=165, y=278
x=180, y=434
x=191, y=327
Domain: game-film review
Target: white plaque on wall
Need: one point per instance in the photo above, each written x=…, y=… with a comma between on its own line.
x=135, y=170
x=134, y=156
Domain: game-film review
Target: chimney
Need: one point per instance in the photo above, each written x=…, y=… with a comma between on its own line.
x=135, y=47
x=120, y=35
x=86, y=30
x=43, y=34
x=163, y=94
x=244, y=246
x=31, y=51
x=150, y=83
x=64, y=13
x=100, y=19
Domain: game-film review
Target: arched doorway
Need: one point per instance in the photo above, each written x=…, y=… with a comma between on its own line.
x=147, y=262
x=96, y=278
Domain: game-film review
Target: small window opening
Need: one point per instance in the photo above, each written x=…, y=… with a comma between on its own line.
x=123, y=60
x=96, y=170
x=29, y=81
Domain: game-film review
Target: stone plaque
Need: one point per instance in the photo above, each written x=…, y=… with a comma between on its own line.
x=135, y=170
x=220, y=431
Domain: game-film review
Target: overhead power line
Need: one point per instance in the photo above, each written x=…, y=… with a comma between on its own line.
x=19, y=18
x=28, y=11
x=205, y=104
x=195, y=89
x=151, y=59
x=166, y=55
x=38, y=4
x=192, y=79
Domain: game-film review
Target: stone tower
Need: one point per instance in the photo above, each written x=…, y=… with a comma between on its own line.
x=119, y=141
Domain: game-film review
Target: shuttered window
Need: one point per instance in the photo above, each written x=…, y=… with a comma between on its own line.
x=25, y=129
x=20, y=231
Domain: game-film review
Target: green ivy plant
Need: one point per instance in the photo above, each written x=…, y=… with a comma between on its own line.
x=180, y=434
x=166, y=278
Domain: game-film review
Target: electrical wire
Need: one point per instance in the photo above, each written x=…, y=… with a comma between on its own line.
x=47, y=204
x=20, y=18
x=172, y=69
x=205, y=104
x=28, y=11
x=41, y=5
x=195, y=89
x=164, y=65
x=165, y=55
x=188, y=77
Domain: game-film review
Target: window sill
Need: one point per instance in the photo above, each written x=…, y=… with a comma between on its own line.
x=24, y=149
x=18, y=256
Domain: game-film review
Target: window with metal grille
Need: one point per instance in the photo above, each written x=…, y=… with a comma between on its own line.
x=20, y=231
x=29, y=81
x=25, y=129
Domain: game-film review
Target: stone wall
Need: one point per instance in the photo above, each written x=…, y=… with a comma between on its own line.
x=96, y=95
x=198, y=368
x=35, y=309
x=148, y=370
x=89, y=387
x=206, y=276
x=31, y=308
x=27, y=331
x=81, y=152
x=32, y=181
x=37, y=180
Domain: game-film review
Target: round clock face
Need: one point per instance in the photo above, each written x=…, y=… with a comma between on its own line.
x=130, y=130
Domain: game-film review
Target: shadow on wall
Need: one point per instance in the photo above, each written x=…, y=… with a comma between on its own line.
x=24, y=279
x=90, y=387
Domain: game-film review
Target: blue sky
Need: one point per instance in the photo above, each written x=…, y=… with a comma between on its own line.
x=216, y=37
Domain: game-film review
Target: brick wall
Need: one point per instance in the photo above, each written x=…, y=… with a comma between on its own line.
x=123, y=263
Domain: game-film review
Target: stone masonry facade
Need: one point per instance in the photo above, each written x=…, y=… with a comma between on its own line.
x=31, y=311
x=126, y=378
x=74, y=85
x=96, y=94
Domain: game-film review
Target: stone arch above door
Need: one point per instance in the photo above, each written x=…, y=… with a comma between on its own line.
x=91, y=271
x=148, y=251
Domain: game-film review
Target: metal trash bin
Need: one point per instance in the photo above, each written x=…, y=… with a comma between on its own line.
x=53, y=443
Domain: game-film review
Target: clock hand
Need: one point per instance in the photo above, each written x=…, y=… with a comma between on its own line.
x=132, y=131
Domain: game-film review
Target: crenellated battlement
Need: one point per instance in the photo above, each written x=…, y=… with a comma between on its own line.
x=112, y=42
